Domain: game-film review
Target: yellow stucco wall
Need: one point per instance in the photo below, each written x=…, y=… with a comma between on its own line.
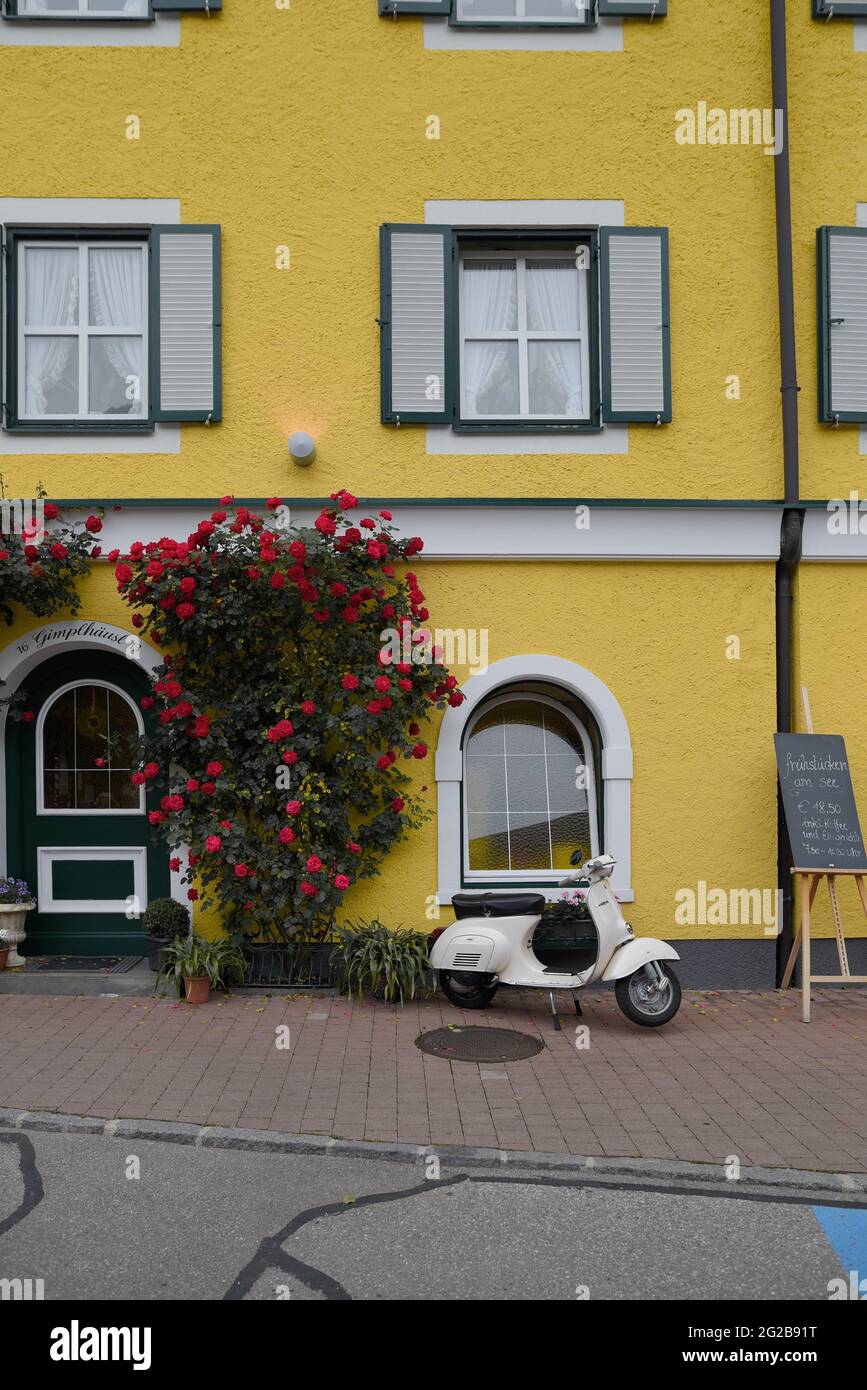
x=306, y=128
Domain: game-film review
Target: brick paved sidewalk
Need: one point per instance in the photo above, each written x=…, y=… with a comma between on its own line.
x=735, y=1073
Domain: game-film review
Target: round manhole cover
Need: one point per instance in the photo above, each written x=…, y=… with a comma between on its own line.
x=479, y=1044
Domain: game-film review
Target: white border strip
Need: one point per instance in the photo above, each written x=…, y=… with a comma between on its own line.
x=47, y=857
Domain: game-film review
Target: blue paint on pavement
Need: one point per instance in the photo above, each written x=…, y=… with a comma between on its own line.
x=845, y=1229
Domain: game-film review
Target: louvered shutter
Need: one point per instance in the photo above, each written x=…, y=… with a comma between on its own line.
x=181, y=6
x=625, y=7
x=185, y=315
x=415, y=7
x=417, y=279
x=838, y=9
x=842, y=311
x=635, y=328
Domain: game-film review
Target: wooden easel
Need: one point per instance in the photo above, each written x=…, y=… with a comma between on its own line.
x=809, y=880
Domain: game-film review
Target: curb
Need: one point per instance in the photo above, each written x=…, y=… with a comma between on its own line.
x=854, y=1185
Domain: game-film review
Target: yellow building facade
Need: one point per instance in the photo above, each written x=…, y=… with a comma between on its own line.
x=512, y=266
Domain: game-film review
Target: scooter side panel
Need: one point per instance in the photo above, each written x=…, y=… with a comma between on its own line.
x=636, y=953
x=484, y=949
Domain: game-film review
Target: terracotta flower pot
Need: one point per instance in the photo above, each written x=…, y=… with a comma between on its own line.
x=4, y=952
x=198, y=991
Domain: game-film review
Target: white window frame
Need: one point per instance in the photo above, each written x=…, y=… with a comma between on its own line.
x=523, y=335
x=521, y=17
x=41, y=808
x=83, y=331
x=83, y=12
x=526, y=875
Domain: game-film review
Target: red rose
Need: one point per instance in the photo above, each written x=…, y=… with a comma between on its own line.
x=174, y=865
x=192, y=785
x=28, y=716
x=185, y=610
x=308, y=707
x=51, y=511
x=174, y=803
x=314, y=864
x=214, y=769
x=277, y=580
x=353, y=847
x=201, y=727
x=397, y=804
x=338, y=590
x=382, y=683
x=405, y=684
x=349, y=682
x=208, y=788
x=137, y=620
x=341, y=882
x=384, y=762
x=290, y=757
x=213, y=843
x=420, y=750
x=386, y=516
x=138, y=779
x=205, y=528
x=94, y=525
x=273, y=503
x=414, y=729
x=325, y=524
x=193, y=894
x=286, y=835
x=368, y=523
x=151, y=769
x=188, y=584
x=292, y=808
x=352, y=534
x=123, y=574
x=308, y=890
x=147, y=702
x=156, y=817
x=373, y=707
x=456, y=698
x=346, y=501
x=241, y=870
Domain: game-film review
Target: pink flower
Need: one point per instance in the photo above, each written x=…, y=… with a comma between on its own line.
x=314, y=864
x=241, y=870
x=292, y=808
x=341, y=882
x=213, y=843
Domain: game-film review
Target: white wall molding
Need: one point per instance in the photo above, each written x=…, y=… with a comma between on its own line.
x=616, y=763
x=465, y=531
x=163, y=31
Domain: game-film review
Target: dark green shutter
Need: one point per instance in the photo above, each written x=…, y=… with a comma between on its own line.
x=184, y=5
x=635, y=324
x=842, y=323
x=416, y=322
x=627, y=7
x=838, y=9
x=392, y=7
x=186, y=324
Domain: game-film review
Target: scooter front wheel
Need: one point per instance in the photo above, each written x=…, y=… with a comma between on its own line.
x=646, y=1000
x=467, y=989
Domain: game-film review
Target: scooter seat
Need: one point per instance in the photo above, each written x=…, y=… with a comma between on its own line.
x=498, y=904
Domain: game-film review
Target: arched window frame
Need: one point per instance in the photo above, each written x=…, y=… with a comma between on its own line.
x=482, y=876
x=41, y=808
x=615, y=764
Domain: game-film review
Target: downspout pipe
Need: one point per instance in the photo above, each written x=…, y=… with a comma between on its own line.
x=793, y=515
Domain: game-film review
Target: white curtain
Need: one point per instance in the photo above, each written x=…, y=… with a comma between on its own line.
x=51, y=300
x=489, y=306
x=553, y=307
x=53, y=7
x=116, y=301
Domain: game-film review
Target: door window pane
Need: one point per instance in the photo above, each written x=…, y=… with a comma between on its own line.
x=86, y=745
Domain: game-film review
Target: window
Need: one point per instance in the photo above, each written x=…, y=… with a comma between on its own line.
x=94, y=9
x=83, y=751
x=524, y=335
x=523, y=11
x=111, y=330
x=529, y=790
x=82, y=316
x=518, y=330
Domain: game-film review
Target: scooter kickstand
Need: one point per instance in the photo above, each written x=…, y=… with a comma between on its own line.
x=554, y=1011
x=577, y=1002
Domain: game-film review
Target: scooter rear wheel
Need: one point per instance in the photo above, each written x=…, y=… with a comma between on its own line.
x=466, y=989
x=643, y=1002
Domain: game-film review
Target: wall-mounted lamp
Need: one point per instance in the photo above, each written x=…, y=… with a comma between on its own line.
x=302, y=448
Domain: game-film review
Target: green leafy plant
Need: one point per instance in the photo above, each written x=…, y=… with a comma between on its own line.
x=193, y=958
x=299, y=676
x=370, y=957
x=165, y=918
x=40, y=564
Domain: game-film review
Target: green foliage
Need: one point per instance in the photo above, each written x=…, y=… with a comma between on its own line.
x=165, y=918
x=370, y=957
x=291, y=712
x=193, y=958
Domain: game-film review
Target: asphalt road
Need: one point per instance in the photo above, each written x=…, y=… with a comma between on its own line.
x=101, y=1218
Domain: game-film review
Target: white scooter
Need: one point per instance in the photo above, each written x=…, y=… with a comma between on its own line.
x=491, y=944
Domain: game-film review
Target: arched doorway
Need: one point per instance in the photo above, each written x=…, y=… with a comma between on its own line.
x=77, y=830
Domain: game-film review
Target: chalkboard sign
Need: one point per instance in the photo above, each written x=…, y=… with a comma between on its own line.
x=821, y=816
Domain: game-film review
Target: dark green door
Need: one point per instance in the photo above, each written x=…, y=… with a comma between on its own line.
x=78, y=828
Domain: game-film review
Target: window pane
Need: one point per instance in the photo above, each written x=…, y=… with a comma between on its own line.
x=58, y=791
x=555, y=378
x=124, y=7
x=523, y=721
x=488, y=842
x=569, y=833
x=563, y=10
x=48, y=6
x=92, y=792
x=50, y=375
x=124, y=796
x=489, y=297
x=486, y=782
x=564, y=796
x=115, y=376
x=488, y=9
x=487, y=736
x=122, y=722
x=58, y=733
x=50, y=286
x=91, y=725
x=491, y=384
x=527, y=786
x=552, y=296
x=116, y=286
x=529, y=841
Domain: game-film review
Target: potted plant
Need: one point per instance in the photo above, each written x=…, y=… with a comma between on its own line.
x=371, y=957
x=198, y=966
x=164, y=919
x=565, y=938
x=16, y=901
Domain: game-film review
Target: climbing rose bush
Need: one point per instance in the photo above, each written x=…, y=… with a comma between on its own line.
x=39, y=569
x=283, y=722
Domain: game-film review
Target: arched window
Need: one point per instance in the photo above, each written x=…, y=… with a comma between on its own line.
x=529, y=789
x=82, y=744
